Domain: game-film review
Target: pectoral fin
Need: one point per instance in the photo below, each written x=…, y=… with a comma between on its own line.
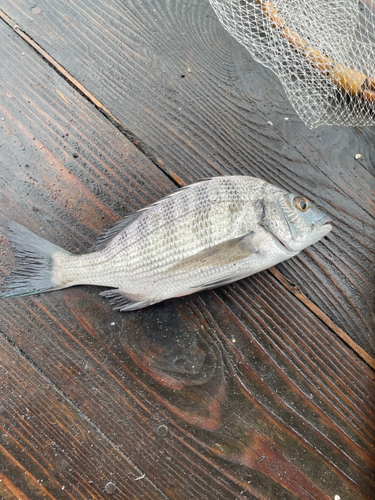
x=221, y=282
x=219, y=255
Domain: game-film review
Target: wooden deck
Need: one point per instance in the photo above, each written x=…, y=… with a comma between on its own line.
x=245, y=392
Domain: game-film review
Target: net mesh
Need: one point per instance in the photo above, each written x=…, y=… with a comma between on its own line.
x=323, y=52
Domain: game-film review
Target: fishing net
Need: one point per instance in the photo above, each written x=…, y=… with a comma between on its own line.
x=323, y=52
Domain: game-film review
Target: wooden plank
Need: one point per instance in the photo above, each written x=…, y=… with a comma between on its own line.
x=226, y=398
x=9, y=491
x=292, y=287
x=63, y=156
x=199, y=106
x=47, y=450
x=221, y=395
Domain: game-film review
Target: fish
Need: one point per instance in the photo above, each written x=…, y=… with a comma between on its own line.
x=202, y=236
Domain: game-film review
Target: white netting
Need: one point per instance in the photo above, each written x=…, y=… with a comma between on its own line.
x=323, y=51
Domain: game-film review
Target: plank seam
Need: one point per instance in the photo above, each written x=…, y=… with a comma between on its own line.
x=78, y=410
x=74, y=83
x=296, y=291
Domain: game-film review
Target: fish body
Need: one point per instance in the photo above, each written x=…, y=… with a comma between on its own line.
x=202, y=236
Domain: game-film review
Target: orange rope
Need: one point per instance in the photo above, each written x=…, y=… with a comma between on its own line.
x=350, y=81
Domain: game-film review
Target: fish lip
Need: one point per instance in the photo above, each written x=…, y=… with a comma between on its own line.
x=323, y=222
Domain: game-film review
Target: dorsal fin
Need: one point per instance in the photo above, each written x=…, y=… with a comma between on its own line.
x=108, y=234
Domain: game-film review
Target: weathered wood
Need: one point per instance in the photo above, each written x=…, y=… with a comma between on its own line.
x=47, y=450
x=60, y=158
x=199, y=106
x=294, y=289
x=238, y=393
x=195, y=385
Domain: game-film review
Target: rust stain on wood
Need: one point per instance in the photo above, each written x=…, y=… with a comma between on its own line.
x=177, y=179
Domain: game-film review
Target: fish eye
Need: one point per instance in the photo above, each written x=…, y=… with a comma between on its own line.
x=301, y=204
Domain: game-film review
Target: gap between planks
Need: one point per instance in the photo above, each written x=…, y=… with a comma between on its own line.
x=291, y=287
x=295, y=290
x=137, y=142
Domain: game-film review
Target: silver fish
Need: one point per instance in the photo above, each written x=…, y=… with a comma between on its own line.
x=202, y=236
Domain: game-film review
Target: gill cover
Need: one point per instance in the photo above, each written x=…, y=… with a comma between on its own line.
x=277, y=224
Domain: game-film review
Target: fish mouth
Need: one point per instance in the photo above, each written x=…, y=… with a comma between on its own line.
x=324, y=222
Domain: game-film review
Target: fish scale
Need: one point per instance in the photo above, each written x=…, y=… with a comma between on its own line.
x=204, y=235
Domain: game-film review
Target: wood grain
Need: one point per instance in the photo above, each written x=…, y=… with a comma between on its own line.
x=58, y=152
x=47, y=448
x=292, y=287
x=238, y=393
x=197, y=104
x=205, y=388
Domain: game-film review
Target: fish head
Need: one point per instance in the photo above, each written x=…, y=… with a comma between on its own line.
x=293, y=221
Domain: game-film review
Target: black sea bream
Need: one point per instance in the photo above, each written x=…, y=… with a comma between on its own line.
x=202, y=236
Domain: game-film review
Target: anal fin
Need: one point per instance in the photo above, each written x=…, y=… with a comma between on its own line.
x=125, y=302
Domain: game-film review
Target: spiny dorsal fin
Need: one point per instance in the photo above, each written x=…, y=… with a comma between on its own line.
x=227, y=252
x=175, y=193
x=108, y=234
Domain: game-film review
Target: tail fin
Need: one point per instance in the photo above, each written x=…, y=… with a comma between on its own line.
x=34, y=255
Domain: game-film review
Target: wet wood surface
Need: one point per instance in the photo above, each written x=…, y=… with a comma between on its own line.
x=238, y=393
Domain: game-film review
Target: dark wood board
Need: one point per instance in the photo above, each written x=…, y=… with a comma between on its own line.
x=48, y=449
x=222, y=395
x=199, y=105
x=201, y=415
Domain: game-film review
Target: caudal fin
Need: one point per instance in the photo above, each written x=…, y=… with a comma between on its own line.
x=34, y=255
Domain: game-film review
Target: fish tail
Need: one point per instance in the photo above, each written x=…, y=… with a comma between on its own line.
x=34, y=255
